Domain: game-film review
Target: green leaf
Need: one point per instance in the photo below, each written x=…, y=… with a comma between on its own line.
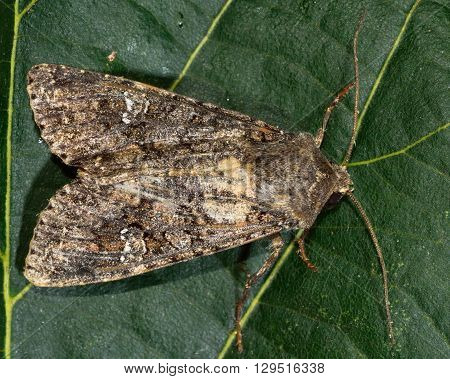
x=281, y=62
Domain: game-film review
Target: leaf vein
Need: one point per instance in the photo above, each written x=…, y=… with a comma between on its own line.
x=27, y=8
x=21, y=293
x=6, y=257
x=402, y=150
x=262, y=289
x=403, y=194
x=197, y=49
x=429, y=167
x=44, y=323
x=387, y=62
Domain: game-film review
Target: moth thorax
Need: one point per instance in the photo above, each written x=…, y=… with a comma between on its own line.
x=344, y=182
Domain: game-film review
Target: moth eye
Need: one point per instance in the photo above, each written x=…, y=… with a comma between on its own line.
x=333, y=200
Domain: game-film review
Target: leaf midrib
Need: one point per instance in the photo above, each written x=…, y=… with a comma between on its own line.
x=9, y=300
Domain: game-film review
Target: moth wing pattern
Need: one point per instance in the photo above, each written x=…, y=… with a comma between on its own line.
x=95, y=233
x=162, y=178
x=104, y=124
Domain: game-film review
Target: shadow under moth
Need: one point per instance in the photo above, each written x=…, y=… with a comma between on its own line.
x=163, y=179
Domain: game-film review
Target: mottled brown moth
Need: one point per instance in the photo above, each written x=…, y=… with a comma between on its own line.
x=163, y=178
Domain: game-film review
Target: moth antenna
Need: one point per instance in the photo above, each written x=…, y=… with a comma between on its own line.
x=348, y=154
x=321, y=132
x=374, y=238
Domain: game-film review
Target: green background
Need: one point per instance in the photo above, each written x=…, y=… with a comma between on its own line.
x=281, y=62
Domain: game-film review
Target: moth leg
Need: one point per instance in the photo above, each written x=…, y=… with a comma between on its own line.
x=302, y=252
x=321, y=132
x=276, y=246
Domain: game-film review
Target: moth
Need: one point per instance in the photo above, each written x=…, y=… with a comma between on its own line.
x=163, y=178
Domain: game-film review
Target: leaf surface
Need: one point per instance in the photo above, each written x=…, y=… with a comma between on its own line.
x=277, y=61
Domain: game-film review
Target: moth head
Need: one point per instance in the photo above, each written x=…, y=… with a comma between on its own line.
x=343, y=186
x=344, y=183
